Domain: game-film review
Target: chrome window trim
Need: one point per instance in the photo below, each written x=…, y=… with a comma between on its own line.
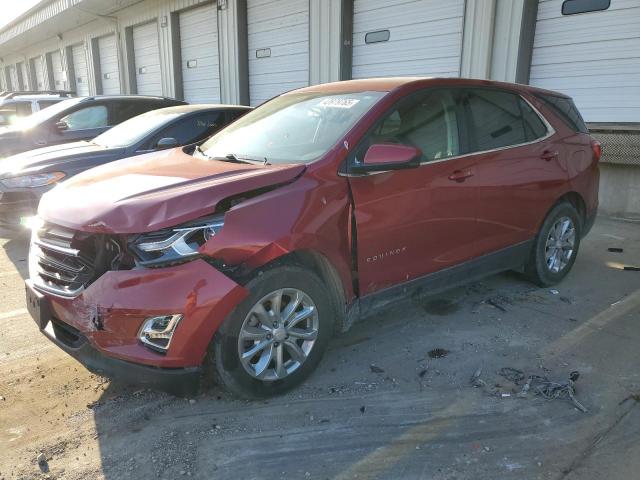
x=550, y=132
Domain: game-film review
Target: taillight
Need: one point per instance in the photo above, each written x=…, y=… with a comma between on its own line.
x=596, y=147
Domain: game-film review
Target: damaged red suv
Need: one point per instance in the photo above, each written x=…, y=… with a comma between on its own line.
x=240, y=259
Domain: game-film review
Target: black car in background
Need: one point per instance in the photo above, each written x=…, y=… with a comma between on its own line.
x=24, y=178
x=76, y=119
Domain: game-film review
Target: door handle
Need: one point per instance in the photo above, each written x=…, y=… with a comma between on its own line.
x=548, y=155
x=460, y=175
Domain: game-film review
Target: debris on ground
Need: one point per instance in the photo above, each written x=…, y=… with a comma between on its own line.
x=615, y=249
x=634, y=396
x=494, y=303
x=538, y=384
x=553, y=291
x=631, y=268
x=375, y=369
x=362, y=409
x=42, y=458
x=438, y=353
x=422, y=373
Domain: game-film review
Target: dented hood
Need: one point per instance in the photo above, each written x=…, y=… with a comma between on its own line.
x=154, y=191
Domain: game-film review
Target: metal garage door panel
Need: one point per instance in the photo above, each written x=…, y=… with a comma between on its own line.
x=59, y=80
x=593, y=57
x=80, y=71
x=22, y=72
x=278, y=47
x=110, y=74
x=38, y=68
x=14, y=77
x=425, y=38
x=146, y=53
x=199, y=53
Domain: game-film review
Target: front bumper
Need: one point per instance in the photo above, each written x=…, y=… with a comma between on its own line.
x=108, y=314
x=178, y=381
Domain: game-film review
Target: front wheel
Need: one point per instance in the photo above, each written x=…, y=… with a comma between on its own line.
x=556, y=246
x=275, y=338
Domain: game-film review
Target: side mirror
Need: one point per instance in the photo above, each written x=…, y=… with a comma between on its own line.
x=62, y=126
x=168, y=142
x=382, y=157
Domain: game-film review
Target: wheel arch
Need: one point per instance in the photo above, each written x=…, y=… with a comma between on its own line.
x=575, y=199
x=324, y=268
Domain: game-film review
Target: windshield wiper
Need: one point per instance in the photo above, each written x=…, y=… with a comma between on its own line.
x=247, y=159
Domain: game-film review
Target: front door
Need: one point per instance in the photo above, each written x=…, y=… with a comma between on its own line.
x=417, y=221
x=82, y=124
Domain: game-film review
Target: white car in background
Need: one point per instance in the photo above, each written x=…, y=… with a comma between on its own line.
x=16, y=105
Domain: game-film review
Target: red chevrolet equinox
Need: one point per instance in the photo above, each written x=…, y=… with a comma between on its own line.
x=238, y=260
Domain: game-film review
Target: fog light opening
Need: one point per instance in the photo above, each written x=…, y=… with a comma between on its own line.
x=156, y=332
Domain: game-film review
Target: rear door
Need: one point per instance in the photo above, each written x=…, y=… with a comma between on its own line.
x=518, y=170
x=417, y=221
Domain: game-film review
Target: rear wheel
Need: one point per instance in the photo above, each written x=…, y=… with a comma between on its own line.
x=275, y=338
x=556, y=246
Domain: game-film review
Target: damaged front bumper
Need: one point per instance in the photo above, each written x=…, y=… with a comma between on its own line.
x=100, y=326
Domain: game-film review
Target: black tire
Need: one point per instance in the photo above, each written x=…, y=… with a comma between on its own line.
x=228, y=370
x=536, y=268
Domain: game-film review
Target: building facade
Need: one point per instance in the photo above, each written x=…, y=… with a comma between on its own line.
x=246, y=51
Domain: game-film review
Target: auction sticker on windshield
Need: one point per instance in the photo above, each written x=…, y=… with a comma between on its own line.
x=338, y=102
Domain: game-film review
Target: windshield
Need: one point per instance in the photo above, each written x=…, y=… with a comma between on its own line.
x=46, y=113
x=135, y=129
x=292, y=128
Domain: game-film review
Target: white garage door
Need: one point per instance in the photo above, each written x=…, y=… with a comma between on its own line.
x=22, y=72
x=110, y=74
x=38, y=72
x=278, y=47
x=14, y=77
x=407, y=38
x=80, y=71
x=59, y=80
x=593, y=57
x=199, y=53
x=146, y=57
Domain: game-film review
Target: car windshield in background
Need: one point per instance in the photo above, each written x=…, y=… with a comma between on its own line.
x=292, y=128
x=46, y=113
x=135, y=129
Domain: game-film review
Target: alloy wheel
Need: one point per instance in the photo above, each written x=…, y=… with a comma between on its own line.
x=278, y=334
x=560, y=245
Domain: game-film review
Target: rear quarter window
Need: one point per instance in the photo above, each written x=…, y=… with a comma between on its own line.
x=564, y=108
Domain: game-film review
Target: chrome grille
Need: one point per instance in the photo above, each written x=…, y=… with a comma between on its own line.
x=61, y=260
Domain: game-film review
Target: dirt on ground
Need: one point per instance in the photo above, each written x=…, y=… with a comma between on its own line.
x=431, y=388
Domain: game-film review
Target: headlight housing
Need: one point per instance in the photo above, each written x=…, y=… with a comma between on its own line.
x=175, y=245
x=33, y=181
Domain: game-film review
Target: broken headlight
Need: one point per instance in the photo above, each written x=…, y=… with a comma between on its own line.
x=177, y=244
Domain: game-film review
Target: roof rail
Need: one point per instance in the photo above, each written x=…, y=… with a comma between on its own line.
x=62, y=93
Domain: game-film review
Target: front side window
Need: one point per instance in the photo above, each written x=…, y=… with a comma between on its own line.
x=426, y=120
x=191, y=129
x=292, y=128
x=498, y=120
x=85, y=118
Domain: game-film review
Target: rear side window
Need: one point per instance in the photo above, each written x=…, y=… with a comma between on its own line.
x=426, y=120
x=46, y=103
x=566, y=110
x=124, y=110
x=534, y=127
x=23, y=109
x=501, y=119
